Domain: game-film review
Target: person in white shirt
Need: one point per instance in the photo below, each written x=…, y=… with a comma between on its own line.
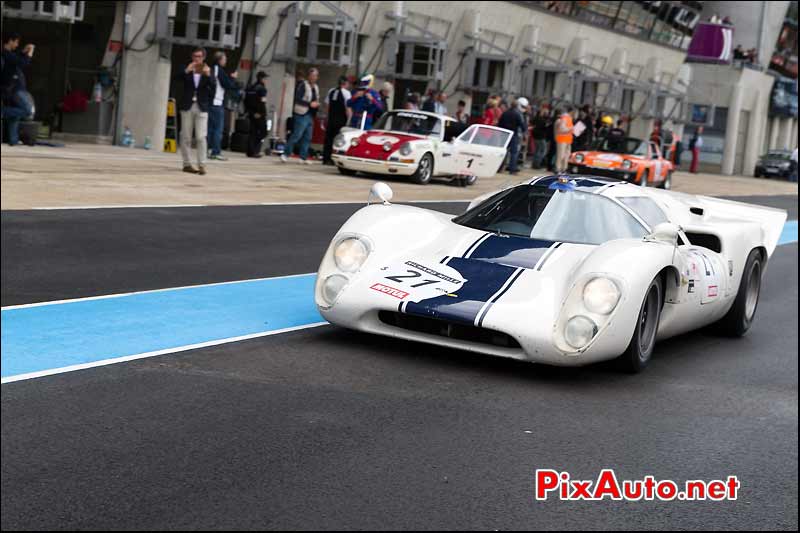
x=439, y=106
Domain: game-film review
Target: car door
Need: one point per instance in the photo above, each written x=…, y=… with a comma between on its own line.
x=479, y=151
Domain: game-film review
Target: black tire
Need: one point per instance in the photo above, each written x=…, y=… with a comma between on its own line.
x=640, y=349
x=346, y=171
x=667, y=183
x=424, y=171
x=757, y=174
x=740, y=316
x=469, y=181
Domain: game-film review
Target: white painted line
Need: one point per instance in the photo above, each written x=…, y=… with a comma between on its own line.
x=119, y=295
x=151, y=206
x=104, y=362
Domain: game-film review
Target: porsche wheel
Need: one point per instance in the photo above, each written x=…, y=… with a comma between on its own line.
x=470, y=180
x=643, y=341
x=740, y=317
x=667, y=183
x=424, y=171
x=346, y=171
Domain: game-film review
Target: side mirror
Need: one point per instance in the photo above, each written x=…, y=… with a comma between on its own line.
x=665, y=232
x=380, y=191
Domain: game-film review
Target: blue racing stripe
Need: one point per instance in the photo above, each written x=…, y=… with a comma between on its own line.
x=50, y=336
x=514, y=251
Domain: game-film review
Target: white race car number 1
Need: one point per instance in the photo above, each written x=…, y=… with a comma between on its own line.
x=422, y=282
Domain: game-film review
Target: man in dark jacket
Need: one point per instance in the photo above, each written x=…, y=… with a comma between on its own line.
x=196, y=98
x=338, y=116
x=256, y=104
x=216, y=113
x=15, y=105
x=513, y=119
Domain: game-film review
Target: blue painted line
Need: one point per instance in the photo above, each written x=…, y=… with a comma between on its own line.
x=58, y=335
x=789, y=233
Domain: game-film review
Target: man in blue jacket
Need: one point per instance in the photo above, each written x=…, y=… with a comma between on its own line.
x=306, y=104
x=15, y=106
x=366, y=103
x=216, y=113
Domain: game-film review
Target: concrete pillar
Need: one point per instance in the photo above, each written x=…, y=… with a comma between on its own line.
x=755, y=127
x=774, y=128
x=145, y=82
x=793, y=144
x=732, y=130
x=785, y=137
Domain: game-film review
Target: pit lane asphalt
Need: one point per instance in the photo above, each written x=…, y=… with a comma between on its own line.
x=334, y=429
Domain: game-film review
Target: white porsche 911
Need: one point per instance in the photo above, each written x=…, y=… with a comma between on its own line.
x=422, y=145
x=558, y=270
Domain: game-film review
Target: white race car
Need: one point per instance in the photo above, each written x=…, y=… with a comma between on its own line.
x=557, y=270
x=422, y=145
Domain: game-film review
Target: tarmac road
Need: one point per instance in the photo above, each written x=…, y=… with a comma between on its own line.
x=325, y=428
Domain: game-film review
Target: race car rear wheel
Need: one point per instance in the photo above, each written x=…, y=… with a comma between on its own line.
x=470, y=180
x=740, y=316
x=667, y=183
x=424, y=171
x=346, y=171
x=643, y=341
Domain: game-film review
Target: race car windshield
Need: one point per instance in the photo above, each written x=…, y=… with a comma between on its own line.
x=408, y=122
x=622, y=145
x=537, y=212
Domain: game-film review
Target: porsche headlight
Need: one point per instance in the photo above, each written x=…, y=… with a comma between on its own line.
x=387, y=146
x=354, y=142
x=339, y=141
x=405, y=149
x=332, y=286
x=579, y=331
x=600, y=296
x=579, y=158
x=350, y=254
x=626, y=164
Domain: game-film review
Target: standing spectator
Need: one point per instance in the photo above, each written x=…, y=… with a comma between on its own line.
x=541, y=126
x=15, y=105
x=412, y=102
x=306, y=103
x=365, y=103
x=695, y=144
x=616, y=137
x=462, y=115
x=216, y=113
x=585, y=126
x=338, y=116
x=430, y=103
x=550, y=157
x=439, y=105
x=793, y=166
x=604, y=126
x=256, y=105
x=563, y=137
x=386, y=94
x=512, y=119
x=492, y=113
x=199, y=87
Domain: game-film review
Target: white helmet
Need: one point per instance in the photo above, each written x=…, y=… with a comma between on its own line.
x=522, y=102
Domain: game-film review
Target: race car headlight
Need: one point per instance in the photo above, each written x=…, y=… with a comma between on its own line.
x=626, y=164
x=332, y=286
x=579, y=331
x=600, y=296
x=350, y=253
x=405, y=149
x=354, y=142
x=339, y=141
x=387, y=146
x=579, y=158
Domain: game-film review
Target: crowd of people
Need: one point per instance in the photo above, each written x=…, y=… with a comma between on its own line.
x=16, y=101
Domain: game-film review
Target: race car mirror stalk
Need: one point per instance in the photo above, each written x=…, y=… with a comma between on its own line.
x=382, y=192
x=665, y=232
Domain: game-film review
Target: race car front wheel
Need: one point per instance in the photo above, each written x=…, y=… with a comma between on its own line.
x=667, y=183
x=643, y=341
x=740, y=316
x=424, y=171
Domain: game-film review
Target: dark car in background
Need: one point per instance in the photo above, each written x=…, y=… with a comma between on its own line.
x=774, y=163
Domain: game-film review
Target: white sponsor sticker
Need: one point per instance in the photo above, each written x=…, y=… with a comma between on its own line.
x=423, y=279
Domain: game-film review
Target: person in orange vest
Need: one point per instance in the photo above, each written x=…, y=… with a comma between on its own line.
x=563, y=138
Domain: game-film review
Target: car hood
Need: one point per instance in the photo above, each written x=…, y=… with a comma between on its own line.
x=370, y=144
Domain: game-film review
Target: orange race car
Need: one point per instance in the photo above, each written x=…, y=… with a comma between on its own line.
x=625, y=158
